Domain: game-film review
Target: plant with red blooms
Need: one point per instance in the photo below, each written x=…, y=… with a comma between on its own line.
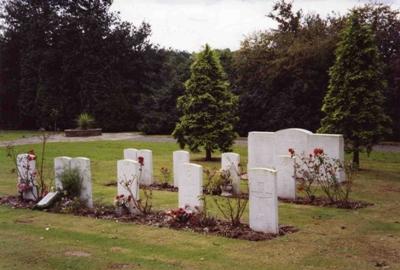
x=180, y=215
x=141, y=161
x=318, y=171
x=137, y=206
x=122, y=201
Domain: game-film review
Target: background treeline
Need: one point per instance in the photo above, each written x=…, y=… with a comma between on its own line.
x=59, y=58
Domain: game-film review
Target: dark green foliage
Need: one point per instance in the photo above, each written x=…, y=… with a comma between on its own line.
x=354, y=102
x=282, y=74
x=71, y=182
x=208, y=107
x=158, y=108
x=69, y=57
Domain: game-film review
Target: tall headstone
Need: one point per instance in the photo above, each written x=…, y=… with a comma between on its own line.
x=83, y=166
x=147, y=168
x=230, y=162
x=128, y=181
x=265, y=148
x=131, y=153
x=286, y=181
x=191, y=188
x=60, y=164
x=263, y=200
x=179, y=158
x=26, y=165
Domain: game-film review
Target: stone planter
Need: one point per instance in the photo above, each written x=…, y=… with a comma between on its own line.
x=83, y=132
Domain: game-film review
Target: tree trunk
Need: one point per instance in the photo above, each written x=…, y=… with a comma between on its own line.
x=208, y=154
x=356, y=159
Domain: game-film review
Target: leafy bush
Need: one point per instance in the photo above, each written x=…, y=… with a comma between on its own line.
x=72, y=182
x=318, y=171
x=231, y=207
x=85, y=121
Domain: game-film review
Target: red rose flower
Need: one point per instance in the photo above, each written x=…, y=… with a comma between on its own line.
x=141, y=161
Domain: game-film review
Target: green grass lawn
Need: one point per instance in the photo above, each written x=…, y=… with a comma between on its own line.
x=328, y=238
x=8, y=135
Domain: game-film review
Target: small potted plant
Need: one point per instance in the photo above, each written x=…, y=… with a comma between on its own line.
x=122, y=205
x=85, y=121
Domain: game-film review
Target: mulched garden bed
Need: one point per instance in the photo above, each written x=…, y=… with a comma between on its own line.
x=325, y=202
x=160, y=219
x=318, y=201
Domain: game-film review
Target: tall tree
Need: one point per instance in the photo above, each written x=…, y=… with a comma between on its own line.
x=354, y=102
x=208, y=107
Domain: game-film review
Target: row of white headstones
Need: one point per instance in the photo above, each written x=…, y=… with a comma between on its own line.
x=270, y=172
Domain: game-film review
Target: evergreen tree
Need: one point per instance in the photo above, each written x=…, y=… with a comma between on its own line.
x=354, y=102
x=208, y=107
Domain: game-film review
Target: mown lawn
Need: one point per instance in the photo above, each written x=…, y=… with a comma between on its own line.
x=8, y=135
x=328, y=238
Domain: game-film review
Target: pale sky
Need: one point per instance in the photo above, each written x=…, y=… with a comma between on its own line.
x=189, y=24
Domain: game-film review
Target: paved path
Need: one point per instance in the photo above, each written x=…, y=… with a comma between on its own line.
x=133, y=136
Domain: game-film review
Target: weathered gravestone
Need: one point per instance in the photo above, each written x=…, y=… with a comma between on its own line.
x=179, y=158
x=145, y=157
x=263, y=200
x=131, y=153
x=266, y=149
x=26, y=166
x=230, y=162
x=82, y=165
x=60, y=164
x=191, y=187
x=286, y=184
x=128, y=180
x=147, y=168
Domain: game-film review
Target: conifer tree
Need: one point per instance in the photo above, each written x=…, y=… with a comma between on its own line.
x=354, y=101
x=208, y=107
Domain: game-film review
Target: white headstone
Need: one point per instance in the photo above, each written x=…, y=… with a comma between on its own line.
x=60, y=164
x=83, y=165
x=265, y=148
x=26, y=166
x=179, y=158
x=131, y=153
x=286, y=181
x=263, y=200
x=128, y=171
x=147, y=168
x=230, y=162
x=191, y=187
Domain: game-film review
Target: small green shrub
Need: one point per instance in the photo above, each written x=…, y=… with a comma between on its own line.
x=72, y=182
x=85, y=121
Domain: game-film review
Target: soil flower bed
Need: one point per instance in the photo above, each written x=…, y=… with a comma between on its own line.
x=160, y=219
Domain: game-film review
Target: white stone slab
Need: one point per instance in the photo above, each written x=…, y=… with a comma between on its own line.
x=60, y=164
x=48, y=199
x=83, y=166
x=128, y=170
x=191, y=187
x=179, y=158
x=286, y=181
x=26, y=166
x=147, y=169
x=263, y=200
x=261, y=149
x=230, y=162
x=131, y=153
x=265, y=148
